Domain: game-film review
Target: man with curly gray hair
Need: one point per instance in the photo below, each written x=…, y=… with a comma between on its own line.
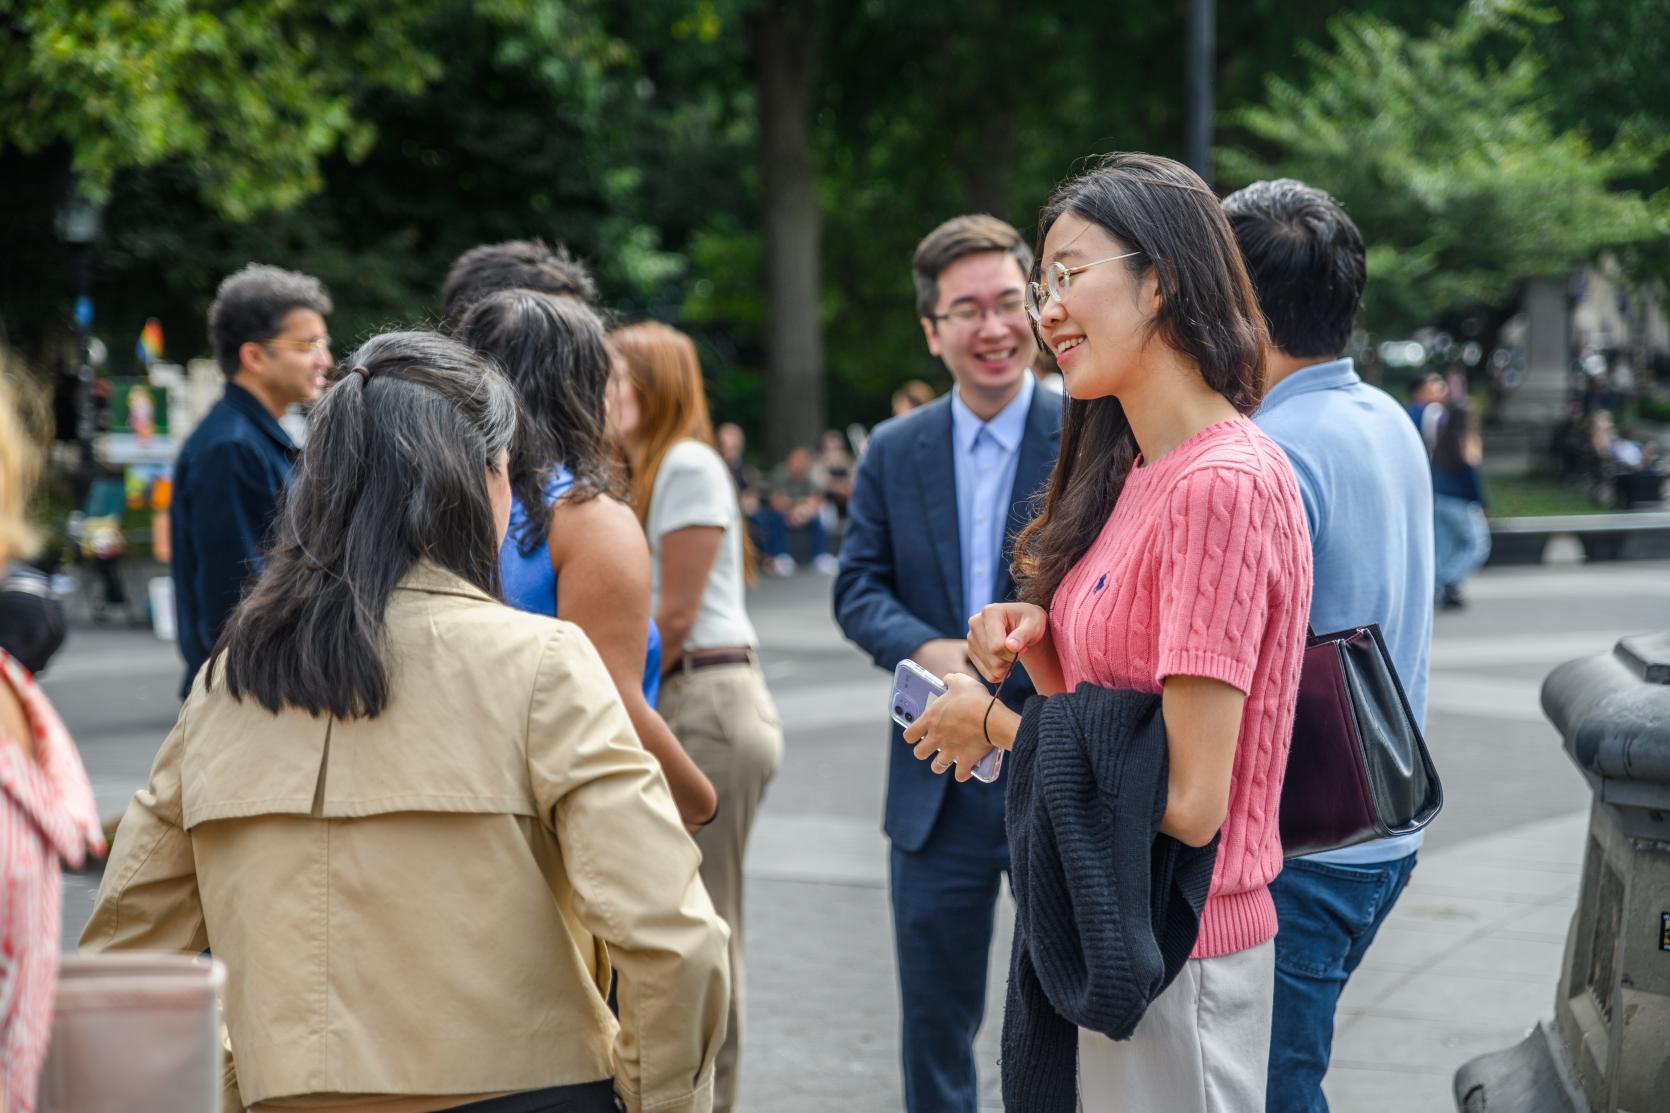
x=267, y=328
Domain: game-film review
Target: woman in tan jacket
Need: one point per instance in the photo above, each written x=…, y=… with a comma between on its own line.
x=414, y=823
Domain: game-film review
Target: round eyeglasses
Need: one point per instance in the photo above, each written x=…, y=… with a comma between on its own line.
x=1057, y=280
x=969, y=315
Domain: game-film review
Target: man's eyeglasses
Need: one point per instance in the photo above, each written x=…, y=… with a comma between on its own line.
x=319, y=345
x=967, y=315
x=1057, y=281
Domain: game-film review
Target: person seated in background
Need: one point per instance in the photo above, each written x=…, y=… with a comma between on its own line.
x=834, y=470
x=794, y=505
x=425, y=806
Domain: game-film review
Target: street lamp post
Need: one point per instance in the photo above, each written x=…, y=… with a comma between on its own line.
x=79, y=223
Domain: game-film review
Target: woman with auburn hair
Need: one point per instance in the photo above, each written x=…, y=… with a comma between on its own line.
x=47, y=815
x=713, y=695
x=1171, y=557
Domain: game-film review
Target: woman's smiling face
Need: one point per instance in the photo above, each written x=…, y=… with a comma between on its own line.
x=1101, y=329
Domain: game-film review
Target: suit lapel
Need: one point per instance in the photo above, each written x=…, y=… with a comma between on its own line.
x=936, y=474
x=1032, y=470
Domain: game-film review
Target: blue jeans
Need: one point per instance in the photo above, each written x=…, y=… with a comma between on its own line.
x=1461, y=539
x=1327, y=915
x=944, y=901
x=774, y=531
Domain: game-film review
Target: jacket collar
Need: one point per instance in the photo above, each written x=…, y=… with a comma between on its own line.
x=250, y=406
x=1333, y=375
x=431, y=579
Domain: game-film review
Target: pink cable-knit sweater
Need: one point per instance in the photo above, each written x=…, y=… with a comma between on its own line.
x=1203, y=569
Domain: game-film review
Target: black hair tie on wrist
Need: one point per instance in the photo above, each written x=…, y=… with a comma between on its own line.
x=986, y=721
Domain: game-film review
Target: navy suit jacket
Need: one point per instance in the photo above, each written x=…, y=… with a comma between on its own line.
x=227, y=482
x=901, y=579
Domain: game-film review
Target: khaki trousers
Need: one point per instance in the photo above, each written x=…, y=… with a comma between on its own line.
x=1203, y=1046
x=728, y=724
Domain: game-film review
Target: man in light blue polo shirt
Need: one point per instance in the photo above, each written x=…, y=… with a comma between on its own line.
x=1367, y=490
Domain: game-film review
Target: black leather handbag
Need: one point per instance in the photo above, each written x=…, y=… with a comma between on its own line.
x=1358, y=768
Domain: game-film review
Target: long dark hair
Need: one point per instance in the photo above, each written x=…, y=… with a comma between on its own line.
x=1449, y=448
x=554, y=353
x=393, y=472
x=1208, y=313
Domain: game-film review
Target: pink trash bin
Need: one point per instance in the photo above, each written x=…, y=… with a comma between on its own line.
x=137, y=1033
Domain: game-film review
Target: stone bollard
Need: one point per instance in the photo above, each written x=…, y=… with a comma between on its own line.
x=1608, y=1049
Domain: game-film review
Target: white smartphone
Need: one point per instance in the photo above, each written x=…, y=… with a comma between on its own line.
x=914, y=688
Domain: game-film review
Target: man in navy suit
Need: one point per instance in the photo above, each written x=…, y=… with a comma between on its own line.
x=267, y=327
x=939, y=495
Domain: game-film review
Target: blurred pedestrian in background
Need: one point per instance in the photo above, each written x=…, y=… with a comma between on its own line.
x=267, y=327
x=1171, y=557
x=937, y=497
x=1364, y=485
x=713, y=695
x=1428, y=395
x=47, y=815
x=428, y=806
x=1461, y=533
x=565, y=520
x=912, y=394
x=733, y=446
x=794, y=507
x=513, y=265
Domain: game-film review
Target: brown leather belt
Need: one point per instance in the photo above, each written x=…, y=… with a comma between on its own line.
x=711, y=658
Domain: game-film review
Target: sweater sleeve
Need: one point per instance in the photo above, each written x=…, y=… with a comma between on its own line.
x=1216, y=560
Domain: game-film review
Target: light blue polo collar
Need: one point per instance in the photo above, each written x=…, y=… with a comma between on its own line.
x=1333, y=375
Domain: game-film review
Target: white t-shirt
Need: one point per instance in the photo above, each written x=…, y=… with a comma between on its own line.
x=694, y=488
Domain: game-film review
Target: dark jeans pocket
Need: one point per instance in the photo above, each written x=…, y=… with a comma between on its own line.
x=1320, y=911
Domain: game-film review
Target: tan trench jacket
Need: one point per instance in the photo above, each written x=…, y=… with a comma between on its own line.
x=419, y=903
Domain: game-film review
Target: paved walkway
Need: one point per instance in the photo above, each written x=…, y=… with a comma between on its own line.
x=1466, y=964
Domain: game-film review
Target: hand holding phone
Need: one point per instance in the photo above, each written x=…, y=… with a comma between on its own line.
x=914, y=688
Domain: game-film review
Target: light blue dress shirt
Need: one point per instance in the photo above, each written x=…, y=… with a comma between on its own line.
x=1367, y=489
x=986, y=454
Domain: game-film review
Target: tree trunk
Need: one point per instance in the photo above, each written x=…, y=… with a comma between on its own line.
x=989, y=173
x=782, y=39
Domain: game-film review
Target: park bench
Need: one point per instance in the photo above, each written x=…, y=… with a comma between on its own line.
x=1629, y=535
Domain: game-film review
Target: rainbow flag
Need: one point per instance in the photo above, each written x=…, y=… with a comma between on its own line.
x=149, y=348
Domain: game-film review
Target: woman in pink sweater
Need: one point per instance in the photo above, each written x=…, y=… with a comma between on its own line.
x=1171, y=556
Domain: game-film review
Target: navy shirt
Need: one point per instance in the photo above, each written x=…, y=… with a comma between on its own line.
x=227, y=482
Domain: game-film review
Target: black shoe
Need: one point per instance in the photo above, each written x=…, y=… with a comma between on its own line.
x=1449, y=598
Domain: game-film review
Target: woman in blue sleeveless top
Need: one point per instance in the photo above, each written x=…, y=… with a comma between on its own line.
x=530, y=580
x=566, y=525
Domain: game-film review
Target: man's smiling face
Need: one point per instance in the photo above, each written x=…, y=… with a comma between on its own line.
x=988, y=354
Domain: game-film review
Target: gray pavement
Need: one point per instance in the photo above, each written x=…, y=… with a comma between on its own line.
x=1466, y=964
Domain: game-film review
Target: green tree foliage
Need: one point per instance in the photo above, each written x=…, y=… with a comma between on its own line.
x=252, y=93
x=370, y=144
x=1446, y=150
